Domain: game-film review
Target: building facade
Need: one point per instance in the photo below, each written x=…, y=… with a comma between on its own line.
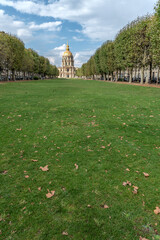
x=67, y=70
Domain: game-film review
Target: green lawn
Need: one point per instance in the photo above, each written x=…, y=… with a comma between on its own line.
x=88, y=133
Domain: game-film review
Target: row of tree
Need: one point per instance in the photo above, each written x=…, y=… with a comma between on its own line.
x=18, y=62
x=136, y=47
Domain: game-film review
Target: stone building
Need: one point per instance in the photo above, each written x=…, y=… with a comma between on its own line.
x=67, y=70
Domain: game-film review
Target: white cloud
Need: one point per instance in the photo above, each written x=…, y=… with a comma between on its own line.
x=11, y=25
x=60, y=48
x=23, y=30
x=49, y=26
x=78, y=39
x=82, y=57
x=52, y=60
x=100, y=19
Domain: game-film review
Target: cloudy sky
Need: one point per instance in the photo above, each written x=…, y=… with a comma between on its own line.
x=46, y=25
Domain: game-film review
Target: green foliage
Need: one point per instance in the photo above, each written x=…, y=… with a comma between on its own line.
x=136, y=46
x=14, y=57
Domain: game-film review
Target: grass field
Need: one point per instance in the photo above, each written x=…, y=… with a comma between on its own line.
x=94, y=137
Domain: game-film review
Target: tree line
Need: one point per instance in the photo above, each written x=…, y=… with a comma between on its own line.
x=135, y=50
x=17, y=62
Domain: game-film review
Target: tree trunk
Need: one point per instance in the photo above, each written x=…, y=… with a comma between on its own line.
x=116, y=76
x=13, y=75
x=112, y=77
x=130, y=76
x=148, y=76
x=151, y=73
x=104, y=77
x=142, y=75
x=157, y=76
x=7, y=79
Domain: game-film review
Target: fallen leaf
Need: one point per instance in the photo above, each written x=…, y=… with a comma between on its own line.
x=89, y=150
x=88, y=136
x=19, y=129
x=103, y=147
x=127, y=183
x=65, y=233
x=157, y=210
x=33, y=160
x=135, y=187
x=127, y=169
x=105, y=206
x=89, y=206
x=39, y=188
x=135, y=191
x=141, y=238
x=44, y=169
x=50, y=194
x=76, y=166
x=26, y=176
x=4, y=172
x=146, y=174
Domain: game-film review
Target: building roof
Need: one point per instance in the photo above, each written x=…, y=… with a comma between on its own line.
x=67, y=53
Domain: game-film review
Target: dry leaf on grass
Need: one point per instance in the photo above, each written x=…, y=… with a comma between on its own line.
x=88, y=136
x=65, y=233
x=103, y=147
x=157, y=210
x=141, y=238
x=135, y=187
x=33, y=160
x=76, y=166
x=105, y=206
x=50, y=194
x=19, y=129
x=135, y=191
x=26, y=176
x=39, y=188
x=146, y=174
x=127, y=169
x=127, y=183
x=44, y=169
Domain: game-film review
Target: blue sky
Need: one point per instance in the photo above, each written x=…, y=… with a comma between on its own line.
x=46, y=25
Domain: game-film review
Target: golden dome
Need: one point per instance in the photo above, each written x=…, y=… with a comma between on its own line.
x=67, y=53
